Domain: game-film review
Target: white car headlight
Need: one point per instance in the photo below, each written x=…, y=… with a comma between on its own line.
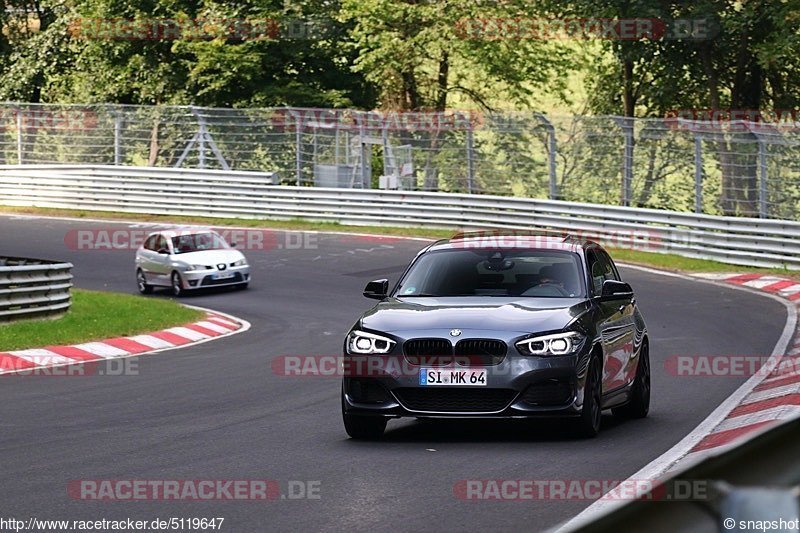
x=361, y=342
x=198, y=267
x=555, y=344
x=240, y=262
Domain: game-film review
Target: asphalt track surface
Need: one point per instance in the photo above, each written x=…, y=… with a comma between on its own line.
x=217, y=410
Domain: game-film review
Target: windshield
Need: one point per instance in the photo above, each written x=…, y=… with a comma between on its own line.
x=526, y=273
x=198, y=242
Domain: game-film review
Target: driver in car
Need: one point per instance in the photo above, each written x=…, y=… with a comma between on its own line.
x=547, y=277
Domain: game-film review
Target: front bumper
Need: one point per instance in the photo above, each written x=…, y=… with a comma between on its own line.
x=519, y=387
x=200, y=279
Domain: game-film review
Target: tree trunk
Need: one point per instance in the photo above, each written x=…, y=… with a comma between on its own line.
x=153, y=158
x=628, y=99
x=727, y=201
x=440, y=105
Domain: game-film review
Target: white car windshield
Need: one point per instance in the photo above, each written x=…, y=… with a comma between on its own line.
x=198, y=242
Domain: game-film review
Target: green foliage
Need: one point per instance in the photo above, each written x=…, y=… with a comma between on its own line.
x=421, y=53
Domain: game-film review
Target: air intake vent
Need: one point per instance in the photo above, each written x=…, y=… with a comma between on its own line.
x=455, y=399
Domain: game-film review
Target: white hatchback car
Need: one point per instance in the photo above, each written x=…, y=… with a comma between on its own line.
x=189, y=259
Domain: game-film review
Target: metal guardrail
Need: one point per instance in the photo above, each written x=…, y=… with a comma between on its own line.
x=752, y=481
x=214, y=193
x=32, y=288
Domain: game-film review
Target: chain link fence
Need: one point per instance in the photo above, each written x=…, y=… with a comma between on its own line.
x=714, y=167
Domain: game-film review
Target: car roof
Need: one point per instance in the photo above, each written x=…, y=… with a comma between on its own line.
x=507, y=239
x=170, y=233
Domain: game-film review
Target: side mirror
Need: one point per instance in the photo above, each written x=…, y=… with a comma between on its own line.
x=616, y=289
x=377, y=289
x=163, y=251
x=233, y=244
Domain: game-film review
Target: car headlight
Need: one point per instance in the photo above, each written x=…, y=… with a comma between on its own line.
x=198, y=267
x=555, y=344
x=361, y=342
x=240, y=262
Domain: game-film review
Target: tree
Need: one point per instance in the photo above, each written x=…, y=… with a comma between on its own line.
x=419, y=53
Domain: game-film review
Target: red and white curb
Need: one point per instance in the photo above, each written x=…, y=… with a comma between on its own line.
x=773, y=397
x=214, y=325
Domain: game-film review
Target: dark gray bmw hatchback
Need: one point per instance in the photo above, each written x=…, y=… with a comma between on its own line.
x=498, y=325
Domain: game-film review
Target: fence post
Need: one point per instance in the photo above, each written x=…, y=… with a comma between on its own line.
x=698, y=174
x=298, y=122
x=627, y=161
x=316, y=147
x=19, y=136
x=551, y=154
x=762, y=189
x=336, y=137
x=117, y=133
x=201, y=139
x=470, y=159
x=366, y=166
x=388, y=156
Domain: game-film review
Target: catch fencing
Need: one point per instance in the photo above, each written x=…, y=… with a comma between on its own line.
x=716, y=167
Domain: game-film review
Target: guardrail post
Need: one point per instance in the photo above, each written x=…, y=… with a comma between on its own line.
x=470, y=159
x=19, y=137
x=763, y=210
x=551, y=154
x=117, y=135
x=698, y=174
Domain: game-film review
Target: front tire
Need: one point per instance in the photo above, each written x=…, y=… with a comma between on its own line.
x=588, y=425
x=639, y=404
x=141, y=282
x=361, y=427
x=176, y=284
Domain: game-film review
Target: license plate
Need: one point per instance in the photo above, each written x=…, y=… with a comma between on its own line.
x=475, y=377
x=225, y=275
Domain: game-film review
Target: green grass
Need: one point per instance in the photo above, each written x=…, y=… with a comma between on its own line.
x=656, y=260
x=95, y=316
